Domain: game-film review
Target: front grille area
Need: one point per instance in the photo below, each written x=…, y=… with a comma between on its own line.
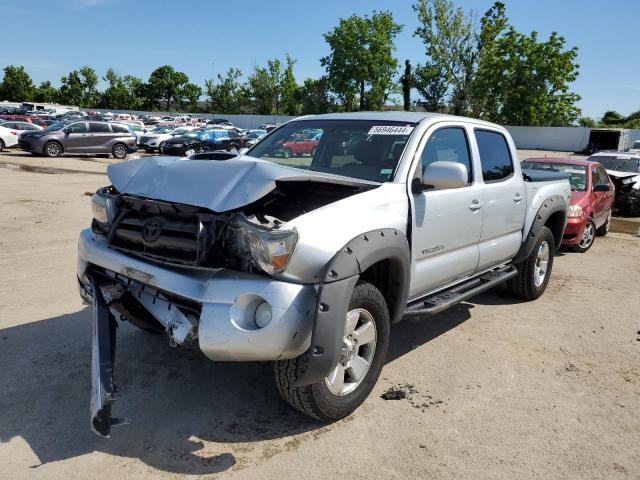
x=144, y=139
x=164, y=231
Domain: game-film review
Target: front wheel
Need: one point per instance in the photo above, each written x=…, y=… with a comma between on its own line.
x=52, y=149
x=587, y=239
x=1, y=145
x=364, y=348
x=534, y=272
x=119, y=151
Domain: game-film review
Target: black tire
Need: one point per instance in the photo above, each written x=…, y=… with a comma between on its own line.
x=161, y=147
x=604, y=229
x=316, y=400
x=287, y=153
x=233, y=149
x=119, y=151
x=148, y=150
x=1, y=145
x=50, y=150
x=524, y=284
x=586, y=244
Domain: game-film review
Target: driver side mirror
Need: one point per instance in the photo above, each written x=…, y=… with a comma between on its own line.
x=66, y=131
x=601, y=187
x=443, y=175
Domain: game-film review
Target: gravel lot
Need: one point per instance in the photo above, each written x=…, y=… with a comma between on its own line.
x=493, y=389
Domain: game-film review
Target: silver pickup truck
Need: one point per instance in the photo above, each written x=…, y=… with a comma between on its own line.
x=306, y=259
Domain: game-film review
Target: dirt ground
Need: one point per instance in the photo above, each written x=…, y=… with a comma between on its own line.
x=494, y=389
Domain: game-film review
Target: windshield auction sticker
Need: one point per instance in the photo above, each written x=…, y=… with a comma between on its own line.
x=390, y=130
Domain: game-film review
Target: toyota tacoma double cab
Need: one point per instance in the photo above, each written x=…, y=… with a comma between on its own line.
x=307, y=261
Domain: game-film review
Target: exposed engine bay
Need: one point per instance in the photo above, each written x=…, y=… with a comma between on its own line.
x=247, y=239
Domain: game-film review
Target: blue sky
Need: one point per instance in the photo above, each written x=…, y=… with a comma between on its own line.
x=203, y=38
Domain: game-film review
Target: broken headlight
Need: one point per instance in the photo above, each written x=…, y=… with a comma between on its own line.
x=270, y=249
x=102, y=206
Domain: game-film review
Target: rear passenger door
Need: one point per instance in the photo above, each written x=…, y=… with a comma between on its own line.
x=446, y=223
x=99, y=138
x=503, y=198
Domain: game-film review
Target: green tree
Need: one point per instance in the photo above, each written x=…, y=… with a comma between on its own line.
x=121, y=92
x=289, y=90
x=80, y=87
x=612, y=118
x=361, y=64
x=265, y=87
x=168, y=88
x=46, y=93
x=224, y=95
x=315, y=97
x=587, y=122
x=431, y=82
x=191, y=93
x=16, y=85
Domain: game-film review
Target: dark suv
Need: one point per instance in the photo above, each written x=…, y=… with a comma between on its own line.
x=80, y=137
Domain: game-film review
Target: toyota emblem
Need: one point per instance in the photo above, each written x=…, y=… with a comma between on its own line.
x=151, y=230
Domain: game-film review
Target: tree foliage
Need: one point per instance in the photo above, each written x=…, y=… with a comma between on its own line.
x=168, y=88
x=46, y=93
x=16, y=84
x=224, y=94
x=361, y=64
x=493, y=72
x=79, y=87
x=265, y=87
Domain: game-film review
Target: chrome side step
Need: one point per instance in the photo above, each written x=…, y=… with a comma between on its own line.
x=443, y=300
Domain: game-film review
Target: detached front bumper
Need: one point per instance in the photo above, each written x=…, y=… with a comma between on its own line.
x=225, y=325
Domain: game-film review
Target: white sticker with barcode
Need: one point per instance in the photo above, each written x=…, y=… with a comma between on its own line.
x=390, y=130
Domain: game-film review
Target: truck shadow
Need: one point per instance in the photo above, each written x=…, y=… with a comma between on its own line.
x=175, y=397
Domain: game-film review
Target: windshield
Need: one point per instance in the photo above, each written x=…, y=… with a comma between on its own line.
x=365, y=149
x=54, y=127
x=621, y=164
x=255, y=134
x=577, y=173
x=164, y=129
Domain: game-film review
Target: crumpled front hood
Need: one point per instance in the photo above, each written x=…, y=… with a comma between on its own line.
x=218, y=185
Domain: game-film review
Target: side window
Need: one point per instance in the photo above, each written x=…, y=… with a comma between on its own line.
x=95, y=127
x=119, y=128
x=80, y=127
x=495, y=157
x=447, y=144
x=599, y=176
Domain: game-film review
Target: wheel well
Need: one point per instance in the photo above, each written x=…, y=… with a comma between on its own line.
x=555, y=223
x=384, y=275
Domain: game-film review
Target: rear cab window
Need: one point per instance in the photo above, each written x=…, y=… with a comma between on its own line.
x=495, y=156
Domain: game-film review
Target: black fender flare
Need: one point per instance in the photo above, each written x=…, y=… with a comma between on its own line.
x=334, y=293
x=551, y=205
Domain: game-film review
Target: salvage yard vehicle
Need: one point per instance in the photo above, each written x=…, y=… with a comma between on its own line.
x=308, y=265
x=8, y=137
x=592, y=195
x=80, y=137
x=624, y=170
x=155, y=139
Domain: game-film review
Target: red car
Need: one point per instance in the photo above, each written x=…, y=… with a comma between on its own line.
x=592, y=195
x=300, y=144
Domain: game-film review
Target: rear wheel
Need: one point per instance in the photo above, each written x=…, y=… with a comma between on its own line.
x=365, y=344
x=587, y=239
x=119, y=151
x=1, y=145
x=189, y=152
x=161, y=147
x=604, y=229
x=534, y=272
x=52, y=149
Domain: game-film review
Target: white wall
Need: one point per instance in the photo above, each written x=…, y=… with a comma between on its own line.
x=560, y=139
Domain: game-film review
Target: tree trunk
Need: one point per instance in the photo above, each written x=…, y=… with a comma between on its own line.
x=362, y=103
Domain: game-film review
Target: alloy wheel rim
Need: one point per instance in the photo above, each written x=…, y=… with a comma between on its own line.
x=190, y=152
x=356, y=356
x=542, y=264
x=587, y=236
x=53, y=149
x=120, y=152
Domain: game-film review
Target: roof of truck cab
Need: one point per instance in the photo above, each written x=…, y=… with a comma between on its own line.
x=393, y=116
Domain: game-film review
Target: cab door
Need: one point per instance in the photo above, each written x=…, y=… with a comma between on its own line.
x=503, y=198
x=447, y=223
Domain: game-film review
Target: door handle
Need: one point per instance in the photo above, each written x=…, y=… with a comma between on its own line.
x=517, y=198
x=475, y=205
